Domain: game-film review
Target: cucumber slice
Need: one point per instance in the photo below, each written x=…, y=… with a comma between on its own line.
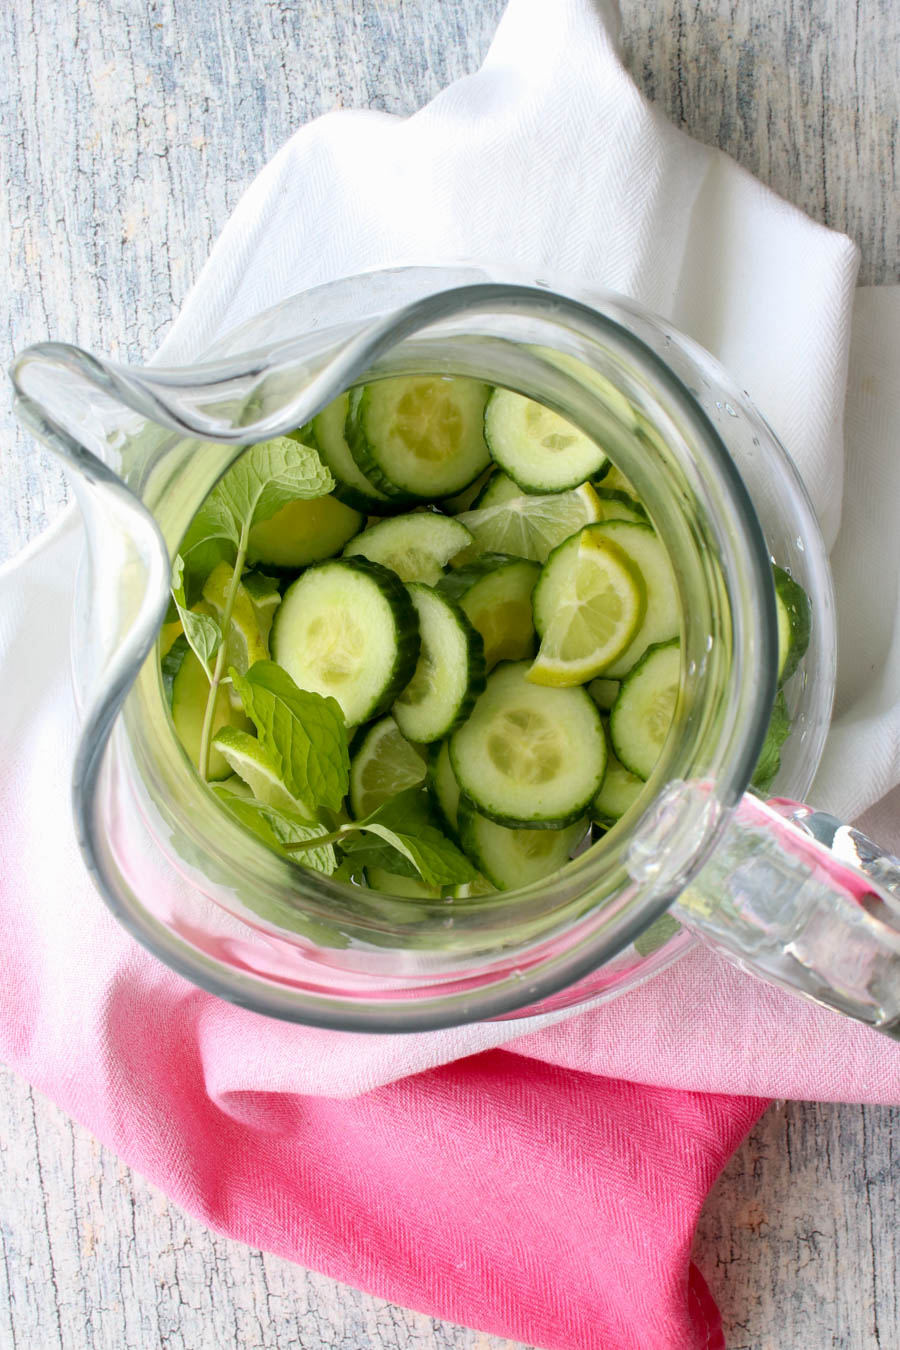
x=419, y=436
x=383, y=765
x=642, y=715
x=412, y=888
x=495, y=595
x=417, y=547
x=536, y=447
x=794, y=619
x=450, y=672
x=347, y=628
x=618, y=792
x=351, y=484
x=614, y=480
x=303, y=532
x=598, y=612
x=529, y=755
x=190, y=694
x=443, y=788
x=641, y=544
x=465, y=500
x=604, y=692
x=514, y=858
x=616, y=505
x=498, y=488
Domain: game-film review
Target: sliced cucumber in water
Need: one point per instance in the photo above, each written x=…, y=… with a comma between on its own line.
x=412, y=888
x=443, y=788
x=514, y=858
x=351, y=484
x=618, y=792
x=495, y=594
x=794, y=616
x=529, y=755
x=348, y=629
x=616, y=505
x=604, y=692
x=420, y=435
x=536, y=447
x=449, y=675
x=303, y=532
x=498, y=488
x=642, y=714
x=417, y=546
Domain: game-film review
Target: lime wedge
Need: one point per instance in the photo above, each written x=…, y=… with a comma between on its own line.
x=251, y=762
x=244, y=642
x=385, y=763
x=265, y=596
x=597, y=616
x=532, y=526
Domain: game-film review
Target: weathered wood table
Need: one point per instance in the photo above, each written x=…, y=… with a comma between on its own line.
x=128, y=132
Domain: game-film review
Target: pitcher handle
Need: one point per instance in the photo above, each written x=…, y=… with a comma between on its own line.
x=798, y=898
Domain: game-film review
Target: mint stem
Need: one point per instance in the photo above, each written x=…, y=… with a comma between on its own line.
x=318, y=840
x=206, y=734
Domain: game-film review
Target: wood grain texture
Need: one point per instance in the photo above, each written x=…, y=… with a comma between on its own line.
x=129, y=130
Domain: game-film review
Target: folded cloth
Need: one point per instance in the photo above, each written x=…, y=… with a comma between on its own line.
x=540, y=1184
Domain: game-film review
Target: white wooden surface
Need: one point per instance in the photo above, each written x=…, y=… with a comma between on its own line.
x=127, y=133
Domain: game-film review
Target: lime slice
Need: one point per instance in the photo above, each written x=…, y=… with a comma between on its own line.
x=385, y=763
x=597, y=616
x=532, y=526
x=265, y=596
x=250, y=761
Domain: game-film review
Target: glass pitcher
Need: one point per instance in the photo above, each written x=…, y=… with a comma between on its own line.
x=787, y=892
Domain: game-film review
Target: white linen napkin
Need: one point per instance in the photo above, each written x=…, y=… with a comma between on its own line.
x=549, y=158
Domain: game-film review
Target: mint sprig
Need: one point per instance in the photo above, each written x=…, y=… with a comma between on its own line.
x=409, y=839
x=302, y=732
x=265, y=478
x=279, y=828
x=203, y=634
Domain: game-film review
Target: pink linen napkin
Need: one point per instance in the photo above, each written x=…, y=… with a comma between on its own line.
x=543, y=1184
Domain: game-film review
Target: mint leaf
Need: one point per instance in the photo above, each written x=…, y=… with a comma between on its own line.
x=203, y=634
x=303, y=733
x=406, y=825
x=268, y=476
x=212, y=537
x=277, y=827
